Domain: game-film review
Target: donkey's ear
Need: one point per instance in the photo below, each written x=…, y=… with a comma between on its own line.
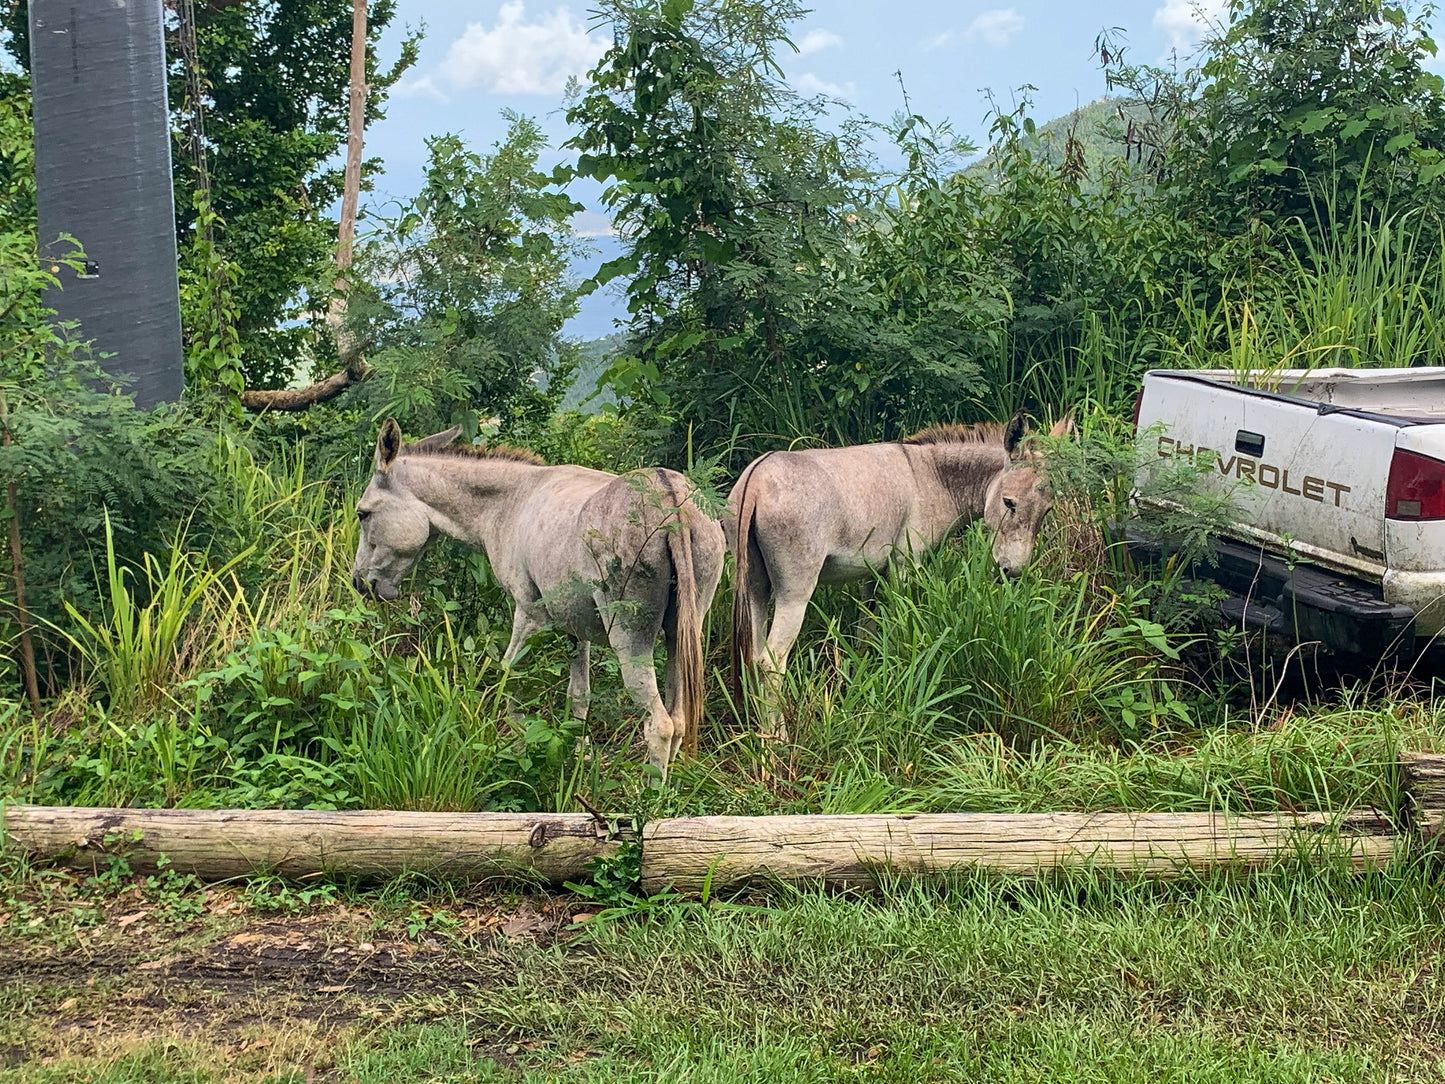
x=1064, y=427
x=1014, y=432
x=439, y=440
x=388, y=445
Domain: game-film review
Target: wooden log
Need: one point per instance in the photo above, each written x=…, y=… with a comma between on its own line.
x=851, y=850
x=1423, y=784
x=220, y=844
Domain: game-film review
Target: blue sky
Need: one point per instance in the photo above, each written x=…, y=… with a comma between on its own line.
x=480, y=58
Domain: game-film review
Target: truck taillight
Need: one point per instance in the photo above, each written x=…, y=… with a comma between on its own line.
x=1416, y=489
x=1138, y=405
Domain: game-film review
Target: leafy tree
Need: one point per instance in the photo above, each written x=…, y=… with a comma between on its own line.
x=1301, y=112
x=275, y=106
x=469, y=288
x=1092, y=261
x=774, y=273
x=735, y=205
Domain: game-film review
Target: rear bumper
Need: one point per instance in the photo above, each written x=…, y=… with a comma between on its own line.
x=1423, y=593
x=1309, y=604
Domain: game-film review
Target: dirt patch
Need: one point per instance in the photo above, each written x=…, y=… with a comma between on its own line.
x=257, y=985
x=266, y=957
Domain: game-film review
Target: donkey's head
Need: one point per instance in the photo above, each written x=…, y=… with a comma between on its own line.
x=1019, y=497
x=395, y=523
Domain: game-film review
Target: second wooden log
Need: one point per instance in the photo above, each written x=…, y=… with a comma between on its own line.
x=686, y=853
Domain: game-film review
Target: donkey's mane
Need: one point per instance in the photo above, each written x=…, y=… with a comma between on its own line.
x=475, y=451
x=953, y=433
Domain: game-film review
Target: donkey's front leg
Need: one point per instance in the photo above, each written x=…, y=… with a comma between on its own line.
x=579, y=683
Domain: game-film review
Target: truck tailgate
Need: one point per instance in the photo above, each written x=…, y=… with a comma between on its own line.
x=1305, y=477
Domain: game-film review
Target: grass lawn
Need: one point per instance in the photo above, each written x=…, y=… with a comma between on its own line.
x=1296, y=974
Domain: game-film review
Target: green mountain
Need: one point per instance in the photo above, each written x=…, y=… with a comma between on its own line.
x=1099, y=128
x=597, y=355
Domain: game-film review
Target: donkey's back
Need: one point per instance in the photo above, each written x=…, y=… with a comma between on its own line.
x=599, y=549
x=834, y=512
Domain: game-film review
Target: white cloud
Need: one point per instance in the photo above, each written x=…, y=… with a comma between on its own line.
x=592, y=224
x=815, y=41
x=810, y=84
x=1183, y=21
x=996, y=27
x=520, y=57
x=938, y=41
x=425, y=87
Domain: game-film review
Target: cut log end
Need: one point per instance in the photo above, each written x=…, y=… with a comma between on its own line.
x=1423, y=784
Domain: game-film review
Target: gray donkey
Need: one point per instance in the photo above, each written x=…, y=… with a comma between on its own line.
x=601, y=557
x=832, y=515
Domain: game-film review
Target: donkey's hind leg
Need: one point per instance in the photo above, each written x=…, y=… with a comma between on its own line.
x=790, y=606
x=672, y=682
x=760, y=591
x=639, y=675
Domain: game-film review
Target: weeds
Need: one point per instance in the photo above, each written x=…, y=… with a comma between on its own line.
x=957, y=650
x=270, y=894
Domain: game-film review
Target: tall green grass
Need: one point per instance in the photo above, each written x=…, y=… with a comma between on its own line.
x=263, y=679
x=429, y=741
x=1373, y=295
x=156, y=633
x=957, y=650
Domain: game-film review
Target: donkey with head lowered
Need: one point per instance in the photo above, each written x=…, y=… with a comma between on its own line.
x=600, y=557
x=832, y=515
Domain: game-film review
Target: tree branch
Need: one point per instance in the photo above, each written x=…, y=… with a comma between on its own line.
x=291, y=399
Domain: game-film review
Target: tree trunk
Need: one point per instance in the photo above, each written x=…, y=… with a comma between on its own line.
x=17, y=571
x=725, y=852
x=353, y=365
x=356, y=124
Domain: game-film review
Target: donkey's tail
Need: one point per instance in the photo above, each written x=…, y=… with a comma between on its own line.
x=744, y=651
x=686, y=647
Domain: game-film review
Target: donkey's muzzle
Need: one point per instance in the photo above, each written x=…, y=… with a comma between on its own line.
x=362, y=585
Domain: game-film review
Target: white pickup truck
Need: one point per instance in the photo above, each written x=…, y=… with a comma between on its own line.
x=1337, y=477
